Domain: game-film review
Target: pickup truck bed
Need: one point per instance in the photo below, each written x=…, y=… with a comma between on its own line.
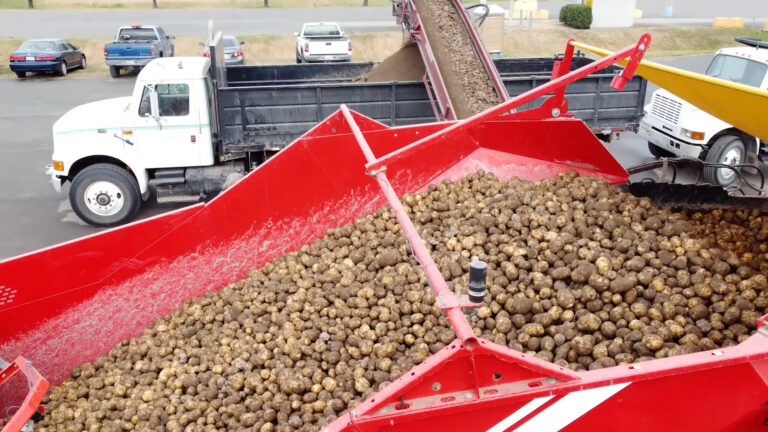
x=267, y=107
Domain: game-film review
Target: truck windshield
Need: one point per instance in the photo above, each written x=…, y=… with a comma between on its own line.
x=322, y=30
x=737, y=69
x=138, y=34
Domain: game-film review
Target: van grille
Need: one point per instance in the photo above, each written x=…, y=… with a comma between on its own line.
x=666, y=109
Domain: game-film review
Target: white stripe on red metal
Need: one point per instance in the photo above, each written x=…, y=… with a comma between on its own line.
x=574, y=405
x=519, y=414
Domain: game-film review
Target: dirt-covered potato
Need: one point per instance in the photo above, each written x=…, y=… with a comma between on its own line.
x=579, y=274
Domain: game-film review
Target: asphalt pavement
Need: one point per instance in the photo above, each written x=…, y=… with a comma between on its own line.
x=32, y=214
x=103, y=23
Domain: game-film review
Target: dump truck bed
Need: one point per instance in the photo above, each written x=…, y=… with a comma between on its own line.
x=267, y=107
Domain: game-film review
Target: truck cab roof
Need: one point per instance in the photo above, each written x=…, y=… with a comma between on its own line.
x=139, y=26
x=320, y=23
x=169, y=68
x=756, y=54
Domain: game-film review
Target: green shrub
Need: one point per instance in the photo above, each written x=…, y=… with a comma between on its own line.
x=576, y=16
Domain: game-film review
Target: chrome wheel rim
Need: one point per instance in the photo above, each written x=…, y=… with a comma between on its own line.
x=731, y=157
x=104, y=198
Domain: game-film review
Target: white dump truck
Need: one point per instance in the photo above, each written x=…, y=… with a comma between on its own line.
x=674, y=127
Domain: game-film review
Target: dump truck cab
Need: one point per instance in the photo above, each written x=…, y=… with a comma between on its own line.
x=674, y=127
x=109, y=148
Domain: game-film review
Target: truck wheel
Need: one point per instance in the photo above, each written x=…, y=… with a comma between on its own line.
x=104, y=195
x=298, y=59
x=727, y=150
x=658, y=152
x=114, y=71
x=21, y=74
x=62, y=68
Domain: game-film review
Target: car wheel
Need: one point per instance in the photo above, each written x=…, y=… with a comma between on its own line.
x=82, y=62
x=104, y=195
x=727, y=150
x=114, y=71
x=298, y=60
x=21, y=74
x=63, y=68
x=659, y=152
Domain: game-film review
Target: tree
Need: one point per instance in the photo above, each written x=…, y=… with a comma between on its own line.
x=365, y=2
x=154, y=4
x=30, y=4
x=266, y=3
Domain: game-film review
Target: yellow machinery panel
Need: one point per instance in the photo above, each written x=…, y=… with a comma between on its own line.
x=743, y=106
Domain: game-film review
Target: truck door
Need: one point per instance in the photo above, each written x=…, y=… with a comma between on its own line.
x=171, y=136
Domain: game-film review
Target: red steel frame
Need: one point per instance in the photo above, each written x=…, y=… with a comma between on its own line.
x=408, y=15
x=36, y=385
x=75, y=301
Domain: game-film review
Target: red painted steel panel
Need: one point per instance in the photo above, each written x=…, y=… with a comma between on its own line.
x=115, y=283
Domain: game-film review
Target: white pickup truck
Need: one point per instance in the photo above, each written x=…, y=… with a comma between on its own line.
x=322, y=42
x=674, y=127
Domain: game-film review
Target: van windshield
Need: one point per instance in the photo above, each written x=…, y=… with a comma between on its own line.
x=737, y=69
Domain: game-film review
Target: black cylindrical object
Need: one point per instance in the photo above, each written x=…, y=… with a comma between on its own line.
x=477, y=283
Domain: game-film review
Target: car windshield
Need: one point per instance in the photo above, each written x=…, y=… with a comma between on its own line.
x=231, y=43
x=322, y=30
x=138, y=34
x=737, y=69
x=38, y=46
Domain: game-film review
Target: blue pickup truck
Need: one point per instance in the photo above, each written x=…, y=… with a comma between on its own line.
x=135, y=46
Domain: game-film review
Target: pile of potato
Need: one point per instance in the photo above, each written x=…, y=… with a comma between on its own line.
x=579, y=274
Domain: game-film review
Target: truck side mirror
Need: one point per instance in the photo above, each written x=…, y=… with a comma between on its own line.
x=153, y=102
x=170, y=37
x=153, y=110
x=296, y=34
x=242, y=42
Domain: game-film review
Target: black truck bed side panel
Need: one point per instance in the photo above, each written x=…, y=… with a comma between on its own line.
x=263, y=107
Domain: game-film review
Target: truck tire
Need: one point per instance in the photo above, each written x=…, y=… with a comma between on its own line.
x=658, y=152
x=62, y=68
x=727, y=150
x=114, y=71
x=298, y=59
x=104, y=195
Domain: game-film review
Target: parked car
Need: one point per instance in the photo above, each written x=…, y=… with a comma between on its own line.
x=322, y=42
x=135, y=46
x=46, y=55
x=233, y=53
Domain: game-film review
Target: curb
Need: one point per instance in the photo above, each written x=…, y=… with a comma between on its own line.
x=723, y=22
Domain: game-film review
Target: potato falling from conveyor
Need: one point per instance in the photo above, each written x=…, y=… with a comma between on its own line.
x=459, y=69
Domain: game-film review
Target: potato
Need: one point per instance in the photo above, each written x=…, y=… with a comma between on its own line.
x=579, y=274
